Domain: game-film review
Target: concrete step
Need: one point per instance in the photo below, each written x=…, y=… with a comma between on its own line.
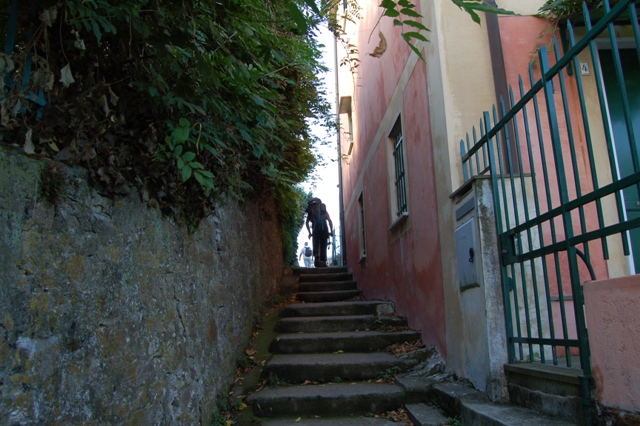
x=296, y=368
x=328, y=286
x=357, y=341
x=474, y=408
x=426, y=415
x=552, y=390
x=487, y=414
x=338, y=308
x=330, y=421
x=333, y=399
x=327, y=296
x=326, y=276
x=315, y=271
x=323, y=324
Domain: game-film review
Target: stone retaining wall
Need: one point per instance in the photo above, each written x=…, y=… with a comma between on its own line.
x=111, y=313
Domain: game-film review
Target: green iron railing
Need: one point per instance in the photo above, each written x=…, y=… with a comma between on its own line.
x=559, y=192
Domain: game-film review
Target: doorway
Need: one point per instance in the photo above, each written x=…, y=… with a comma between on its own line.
x=622, y=142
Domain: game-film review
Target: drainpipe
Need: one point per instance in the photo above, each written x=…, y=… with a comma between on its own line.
x=500, y=79
x=343, y=247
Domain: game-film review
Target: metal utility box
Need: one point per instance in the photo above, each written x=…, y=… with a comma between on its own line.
x=467, y=255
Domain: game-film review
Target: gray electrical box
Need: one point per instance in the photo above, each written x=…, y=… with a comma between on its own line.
x=467, y=255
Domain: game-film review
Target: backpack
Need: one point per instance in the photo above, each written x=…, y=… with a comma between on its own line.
x=308, y=252
x=316, y=214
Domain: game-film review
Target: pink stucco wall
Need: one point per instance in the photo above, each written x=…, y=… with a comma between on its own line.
x=612, y=311
x=406, y=269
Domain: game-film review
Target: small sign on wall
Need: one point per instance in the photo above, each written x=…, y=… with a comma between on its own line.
x=584, y=68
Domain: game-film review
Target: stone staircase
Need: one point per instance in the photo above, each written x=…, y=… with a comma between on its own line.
x=330, y=366
x=331, y=350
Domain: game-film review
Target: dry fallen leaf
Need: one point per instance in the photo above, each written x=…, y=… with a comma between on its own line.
x=66, y=76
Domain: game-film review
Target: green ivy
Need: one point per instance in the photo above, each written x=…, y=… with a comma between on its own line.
x=292, y=202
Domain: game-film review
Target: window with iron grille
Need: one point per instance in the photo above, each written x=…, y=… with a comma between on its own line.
x=361, y=228
x=400, y=178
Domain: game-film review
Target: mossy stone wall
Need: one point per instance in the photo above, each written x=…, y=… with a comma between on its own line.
x=111, y=313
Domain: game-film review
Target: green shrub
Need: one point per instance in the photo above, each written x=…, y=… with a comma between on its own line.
x=189, y=102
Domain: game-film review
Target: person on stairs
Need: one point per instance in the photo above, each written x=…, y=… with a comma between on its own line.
x=318, y=217
x=307, y=253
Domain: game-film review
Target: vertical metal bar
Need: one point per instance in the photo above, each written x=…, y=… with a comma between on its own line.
x=525, y=202
x=633, y=14
x=589, y=143
x=465, y=174
x=552, y=225
x=500, y=229
x=476, y=155
x=604, y=110
x=470, y=161
x=572, y=147
x=623, y=92
x=484, y=152
x=395, y=173
x=559, y=166
x=514, y=288
x=11, y=28
x=516, y=213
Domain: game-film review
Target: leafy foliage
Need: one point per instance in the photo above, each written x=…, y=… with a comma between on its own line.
x=290, y=217
x=404, y=15
x=399, y=12
x=561, y=10
x=187, y=101
x=472, y=7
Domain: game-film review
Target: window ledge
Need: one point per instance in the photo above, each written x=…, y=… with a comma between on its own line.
x=402, y=218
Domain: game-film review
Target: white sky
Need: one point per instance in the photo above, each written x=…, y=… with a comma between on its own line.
x=325, y=184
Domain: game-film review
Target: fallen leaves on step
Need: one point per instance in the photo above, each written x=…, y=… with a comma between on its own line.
x=398, y=416
x=405, y=347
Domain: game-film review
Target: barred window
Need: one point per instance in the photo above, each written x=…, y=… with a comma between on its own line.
x=362, y=242
x=400, y=178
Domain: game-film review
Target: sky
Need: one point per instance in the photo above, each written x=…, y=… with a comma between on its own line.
x=325, y=184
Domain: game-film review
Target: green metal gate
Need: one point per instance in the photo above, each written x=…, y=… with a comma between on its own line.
x=559, y=191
